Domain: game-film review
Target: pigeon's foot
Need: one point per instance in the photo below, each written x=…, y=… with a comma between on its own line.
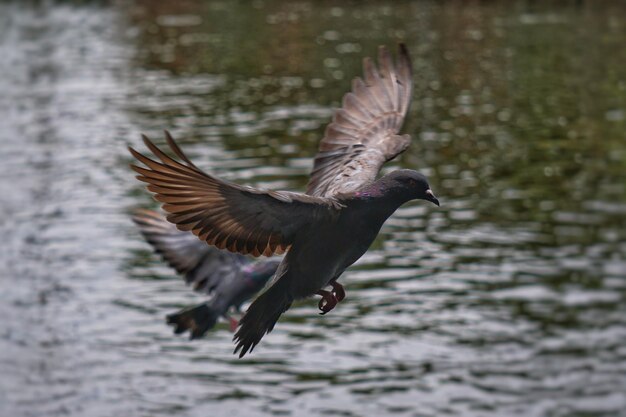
x=232, y=324
x=328, y=301
x=338, y=290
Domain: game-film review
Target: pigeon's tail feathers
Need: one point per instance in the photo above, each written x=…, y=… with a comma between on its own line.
x=261, y=316
x=198, y=320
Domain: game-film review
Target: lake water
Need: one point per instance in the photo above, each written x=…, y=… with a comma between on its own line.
x=509, y=300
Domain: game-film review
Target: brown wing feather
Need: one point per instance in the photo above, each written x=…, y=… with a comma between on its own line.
x=229, y=216
x=363, y=134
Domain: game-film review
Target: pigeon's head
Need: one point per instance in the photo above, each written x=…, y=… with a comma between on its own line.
x=411, y=185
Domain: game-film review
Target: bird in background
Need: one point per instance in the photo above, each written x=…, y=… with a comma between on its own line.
x=229, y=278
x=322, y=231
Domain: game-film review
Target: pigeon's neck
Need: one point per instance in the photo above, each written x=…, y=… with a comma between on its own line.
x=380, y=201
x=382, y=191
x=373, y=191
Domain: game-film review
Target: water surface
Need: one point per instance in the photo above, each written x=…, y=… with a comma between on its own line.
x=507, y=300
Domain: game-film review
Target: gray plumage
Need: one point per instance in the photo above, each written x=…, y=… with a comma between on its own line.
x=230, y=279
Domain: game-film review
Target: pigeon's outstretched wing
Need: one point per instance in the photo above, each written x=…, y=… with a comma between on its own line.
x=204, y=267
x=363, y=134
x=241, y=219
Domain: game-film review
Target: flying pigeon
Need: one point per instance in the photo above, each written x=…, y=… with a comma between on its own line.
x=230, y=278
x=323, y=231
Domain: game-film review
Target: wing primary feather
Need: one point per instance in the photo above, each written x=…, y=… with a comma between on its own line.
x=226, y=215
x=176, y=149
x=371, y=117
x=189, y=171
x=387, y=72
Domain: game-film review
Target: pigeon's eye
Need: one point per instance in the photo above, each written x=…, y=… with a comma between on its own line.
x=412, y=182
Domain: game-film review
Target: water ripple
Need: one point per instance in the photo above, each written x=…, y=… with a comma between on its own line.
x=507, y=300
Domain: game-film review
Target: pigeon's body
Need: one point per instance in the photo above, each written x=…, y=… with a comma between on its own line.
x=229, y=278
x=326, y=250
x=321, y=252
x=323, y=231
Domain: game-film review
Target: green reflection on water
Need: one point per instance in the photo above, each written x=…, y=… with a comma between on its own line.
x=518, y=108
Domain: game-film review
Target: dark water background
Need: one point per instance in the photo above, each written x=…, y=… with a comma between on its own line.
x=509, y=300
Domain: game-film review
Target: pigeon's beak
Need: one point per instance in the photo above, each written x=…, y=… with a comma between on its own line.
x=431, y=197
